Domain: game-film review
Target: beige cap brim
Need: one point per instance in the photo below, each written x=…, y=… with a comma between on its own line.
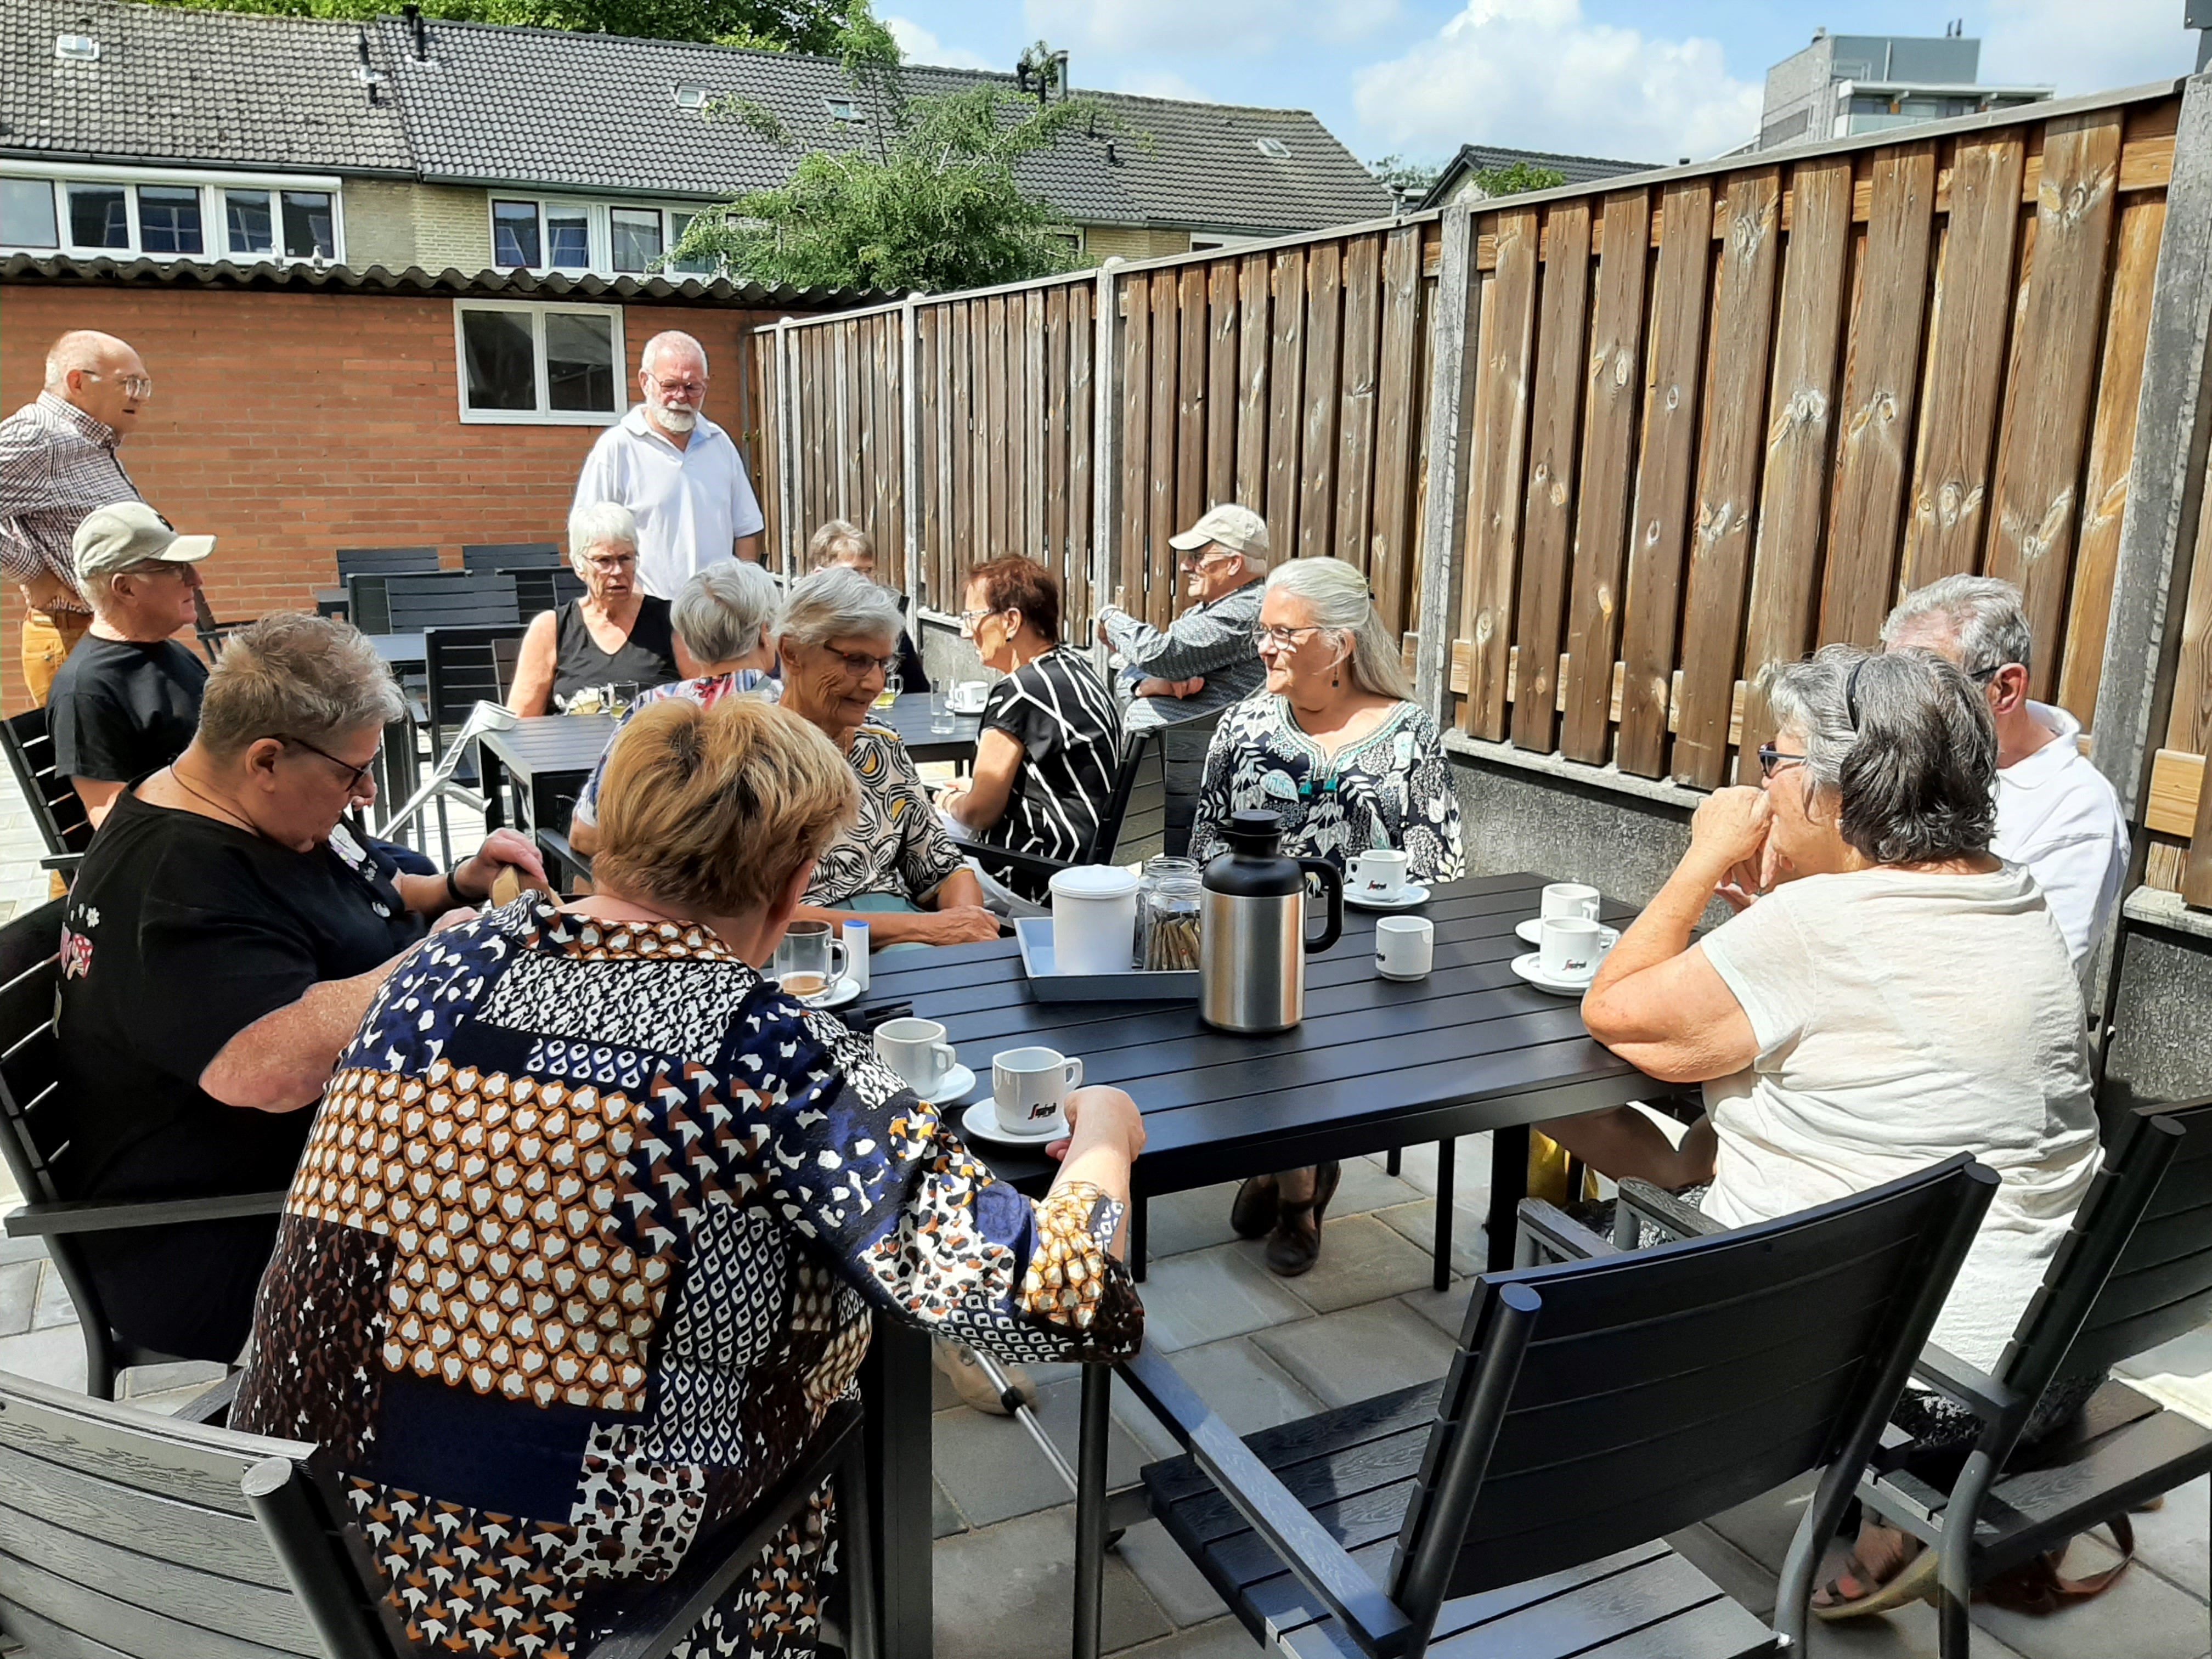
x=186, y=549
x=1189, y=540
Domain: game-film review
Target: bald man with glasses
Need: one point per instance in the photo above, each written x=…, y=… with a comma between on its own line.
x=1204, y=658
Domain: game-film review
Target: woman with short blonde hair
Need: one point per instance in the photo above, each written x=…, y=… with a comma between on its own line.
x=737, y=1188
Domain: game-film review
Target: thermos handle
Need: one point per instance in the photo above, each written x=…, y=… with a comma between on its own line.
x=1332, y=887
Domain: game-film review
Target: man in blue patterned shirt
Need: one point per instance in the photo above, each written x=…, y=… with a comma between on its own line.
x=1204, y=658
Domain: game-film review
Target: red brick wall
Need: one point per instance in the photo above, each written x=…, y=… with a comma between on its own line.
x=289, y=425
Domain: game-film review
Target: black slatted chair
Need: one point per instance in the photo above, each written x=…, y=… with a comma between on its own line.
x=513, y=556
x=452, y=599
x=1183, y=756
x=124, y=1535
x=1520, y=1506
x=1128, y=828
x=385, y=560
x=34, y=1131
x=545, y=588
x=54, y=805
x=366, y=603
x=466, y=666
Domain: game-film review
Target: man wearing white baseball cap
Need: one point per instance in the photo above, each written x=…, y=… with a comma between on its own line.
x=1204, y=658
x=127, y=700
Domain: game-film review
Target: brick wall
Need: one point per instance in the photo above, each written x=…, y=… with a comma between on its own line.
x=289, y=425
x=1134, y=242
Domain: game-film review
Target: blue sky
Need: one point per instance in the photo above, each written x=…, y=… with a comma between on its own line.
x=1596, y=78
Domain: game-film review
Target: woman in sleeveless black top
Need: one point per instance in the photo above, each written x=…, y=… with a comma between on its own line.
x=564, y=651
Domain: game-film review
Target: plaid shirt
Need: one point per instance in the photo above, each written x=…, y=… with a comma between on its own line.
x=56, y=464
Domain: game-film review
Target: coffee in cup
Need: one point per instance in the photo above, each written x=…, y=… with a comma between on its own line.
x=917, y=1051
x=1569, y=949
x=808, y=961
x=1379, y=874
x=1029, y=1091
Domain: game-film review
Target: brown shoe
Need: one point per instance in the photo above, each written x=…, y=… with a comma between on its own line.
x=1253, y=1215
x=1295, y=1245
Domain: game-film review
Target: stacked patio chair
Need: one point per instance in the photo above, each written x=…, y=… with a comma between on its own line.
x=55, y=808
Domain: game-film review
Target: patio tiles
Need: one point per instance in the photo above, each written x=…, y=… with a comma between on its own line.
x=1250, y=1391
x=1178, y=1223
x=54, y=1355
x=1470, y=1170
x=1445, y=1310
x=2141, y=1617
x=994, y=1471
x=19, y=1293
x=1223, y=1639
x=1362, y=1260
x=1341, y=1357
x=53, y=1306
x=1418, y=1222
x=1363, y=1186
x=945, y=1516
x=1163, y=1569
x=1202, y=1297
x=2176, y=1541
x=1007, y=1591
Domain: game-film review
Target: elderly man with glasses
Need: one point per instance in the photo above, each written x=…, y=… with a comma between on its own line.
x=57, y=463
x=679, y=473
x=1204, y=658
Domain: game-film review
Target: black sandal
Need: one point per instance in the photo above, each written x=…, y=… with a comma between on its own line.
x=1295, y=1245
x=1253, y=1215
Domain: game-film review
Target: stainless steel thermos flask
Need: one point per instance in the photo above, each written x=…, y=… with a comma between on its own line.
x=1252, y=943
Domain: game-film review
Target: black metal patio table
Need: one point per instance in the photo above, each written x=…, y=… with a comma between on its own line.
x=1376, y=1065
x=909, y=718
x=402, y=651
x=547, y=757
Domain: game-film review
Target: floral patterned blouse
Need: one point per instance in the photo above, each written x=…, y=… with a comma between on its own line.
x=584, y=1246
x=898, y=845
x=1391, y=789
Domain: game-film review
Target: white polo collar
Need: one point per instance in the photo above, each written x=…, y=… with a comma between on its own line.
x=635, y=423
x=2047, y=763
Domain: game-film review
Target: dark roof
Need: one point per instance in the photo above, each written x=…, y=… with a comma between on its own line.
x=555, y=110
x=195, y=85
x=1481, y=158
x=416, y=281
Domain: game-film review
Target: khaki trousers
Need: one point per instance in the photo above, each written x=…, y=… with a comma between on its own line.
x=48, y=638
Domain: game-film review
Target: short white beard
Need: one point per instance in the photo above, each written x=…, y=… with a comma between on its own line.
x=675, y=416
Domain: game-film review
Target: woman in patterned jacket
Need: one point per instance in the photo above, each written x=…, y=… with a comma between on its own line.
x=588, y=1234
x=1333, y=745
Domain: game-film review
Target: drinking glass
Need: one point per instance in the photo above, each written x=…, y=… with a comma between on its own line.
x=892, y=685
x=941, y=718
x=808, y=963
x=622, y=697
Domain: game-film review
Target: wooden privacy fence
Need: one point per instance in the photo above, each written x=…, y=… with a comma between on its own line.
x=1603, y=453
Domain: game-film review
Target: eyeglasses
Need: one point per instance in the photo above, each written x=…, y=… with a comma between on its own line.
x=677, y=388
x=859, y=664
x=1283, y=638
x=969, y=618
x=1193, y=561
x=1984, y=676
x=614, y=566
x=140, y=386
x=357, y=776
x=1773, y=760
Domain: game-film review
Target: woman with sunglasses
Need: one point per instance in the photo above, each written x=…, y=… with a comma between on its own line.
x=225, y=934
x=615, y=634
x=1889, y=993
x=893, y=866
x=1334, y=747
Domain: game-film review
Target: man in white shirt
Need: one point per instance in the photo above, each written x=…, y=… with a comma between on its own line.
x=2056, y=813
x=676, y=470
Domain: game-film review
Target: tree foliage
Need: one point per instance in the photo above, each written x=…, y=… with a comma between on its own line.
x=816, y=26
x=1409, y=178
x=1517, y=179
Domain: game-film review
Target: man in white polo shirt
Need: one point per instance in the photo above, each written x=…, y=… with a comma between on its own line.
x=676, y=470
x=2056, y=813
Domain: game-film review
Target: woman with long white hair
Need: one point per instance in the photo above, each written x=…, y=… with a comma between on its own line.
x=1336, y=747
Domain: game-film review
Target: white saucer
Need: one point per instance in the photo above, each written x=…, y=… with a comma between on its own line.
x=964, y=711
x=1408, y=896
x=845, y=990
x=1530, y=967
x=956, y=1082
x=981, y=1121
x=1531, y=932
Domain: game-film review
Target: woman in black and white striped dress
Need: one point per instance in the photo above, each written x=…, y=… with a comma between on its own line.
x=1052, y=737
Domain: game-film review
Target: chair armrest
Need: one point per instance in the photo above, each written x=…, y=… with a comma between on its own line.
x=104, y=1215
x=213, y=1407
x=1320, y=1563
x=1005, y=858
x=1545, y=1232
x=1978, y=1391
x=61, y=861
x=1666, y=1212
x=558, y=851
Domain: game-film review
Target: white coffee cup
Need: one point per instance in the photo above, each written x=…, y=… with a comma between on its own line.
x=1029, y=1090
x=1570, y=898
x=1405, y=947
x=1570, y=947
x=1379, y=874
x=968, y=697
x=1094, y=918
x=917, y=1051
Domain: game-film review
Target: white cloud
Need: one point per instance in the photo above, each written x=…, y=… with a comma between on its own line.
x=2085, y=48
x=1180, y=26
x=1533, y=75
x=920, y=46
x=1161, y=83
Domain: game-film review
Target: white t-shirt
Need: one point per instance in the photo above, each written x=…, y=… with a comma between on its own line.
x=2058, y=816
x=1902, y=1018
x=691, y=503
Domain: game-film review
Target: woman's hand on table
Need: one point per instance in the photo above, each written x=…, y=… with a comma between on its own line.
x=1101, y=1115
x=501, y=849
x=956, y=924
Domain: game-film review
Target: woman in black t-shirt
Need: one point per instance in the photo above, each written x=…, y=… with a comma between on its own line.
x=1051, y=741
x=617, y=633
x=223, y=939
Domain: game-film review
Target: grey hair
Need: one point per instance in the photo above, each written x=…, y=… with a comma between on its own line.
x=84, y=349
x=1336, y=593
x=837, y=604
x=836, y=537
x=1983, y=613
x=667, y=339
x=314, y=678
x=1903, y=743
x=721, y=613
x=596, y=526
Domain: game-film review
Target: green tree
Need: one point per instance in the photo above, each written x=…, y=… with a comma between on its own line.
x=816, y=26
x=1407, y=178
x=1517, y=179
x=930, y=203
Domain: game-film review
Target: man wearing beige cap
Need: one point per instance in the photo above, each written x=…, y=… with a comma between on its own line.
x=1206, y=658
x=127, y=701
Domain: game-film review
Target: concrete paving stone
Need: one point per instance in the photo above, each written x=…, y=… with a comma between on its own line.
x=1762, y=1527
x=19, y=1293
x=1748, y=1584
x=1340, y=1358
x=1178, y=1223
x=1222, y=1638
x=2175, y=1541
x=1909, y=1634
x=2142, y=1617
x=1445, y=1310
x=1163, y=1568
x=1470, y=1170
x=1207, y=1295
x=18, y=1249
x=1245, y=1389
x=1361, y=1261
x=2189, y=1355
x=53, y=1307
x=945, y=1516
x=54, y=1355
x=1007, y=1592
x=1363, y=1186
x=994, y=1471
x=1418, y=1222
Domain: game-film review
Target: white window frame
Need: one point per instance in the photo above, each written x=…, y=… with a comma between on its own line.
x=215, y=220
x=541, y=415
x=600, y=237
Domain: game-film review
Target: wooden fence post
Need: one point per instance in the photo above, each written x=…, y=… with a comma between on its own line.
x=910, y=464
x=1453, y=344
x=2165, y=487
x=787, y=451
x=1105, y=447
